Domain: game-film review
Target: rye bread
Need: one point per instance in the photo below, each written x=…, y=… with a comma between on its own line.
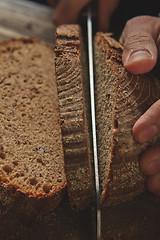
x=121, y=98
x=72, y=85
x=32, y=174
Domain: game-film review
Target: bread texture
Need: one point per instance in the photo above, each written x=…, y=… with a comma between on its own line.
x=121, y=98
x=32, y=175
x=73, y=92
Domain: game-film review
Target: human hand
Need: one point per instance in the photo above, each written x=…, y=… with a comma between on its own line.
x=141, y=40
x=147, y=127
x=67, y=11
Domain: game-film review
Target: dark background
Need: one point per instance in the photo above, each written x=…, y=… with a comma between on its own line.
x=126, y=10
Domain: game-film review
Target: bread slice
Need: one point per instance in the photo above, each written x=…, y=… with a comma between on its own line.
x=121, y=98
x=71, y=74
x=32, y=173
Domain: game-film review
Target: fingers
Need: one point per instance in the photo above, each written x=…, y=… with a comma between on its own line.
x=150, y=165
x=141, y=48
x=153, y=184
x=150, y=161
x=105, y=10
x=140, y=38
x=148, y=125
x=67, y=11
x=52, y=3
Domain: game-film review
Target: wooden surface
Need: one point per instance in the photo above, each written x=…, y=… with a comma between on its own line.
x=25, y=18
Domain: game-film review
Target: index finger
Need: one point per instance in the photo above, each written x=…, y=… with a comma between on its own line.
x=148, y=125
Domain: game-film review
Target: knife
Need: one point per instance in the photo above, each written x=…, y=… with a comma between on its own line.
x=93, y=121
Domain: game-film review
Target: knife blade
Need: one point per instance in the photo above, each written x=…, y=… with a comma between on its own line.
x=93, y=121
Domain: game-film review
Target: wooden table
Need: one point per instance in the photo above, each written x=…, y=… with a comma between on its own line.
x=25, y=18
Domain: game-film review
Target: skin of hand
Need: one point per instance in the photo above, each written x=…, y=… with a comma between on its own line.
x=67, y=11
x=141, y=40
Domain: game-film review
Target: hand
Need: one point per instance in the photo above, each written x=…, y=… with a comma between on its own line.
x=147, y=127
x=67, y=11
x=141, y=40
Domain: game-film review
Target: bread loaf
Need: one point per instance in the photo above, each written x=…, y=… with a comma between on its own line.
x=32, y=174
x=121, y=98
x=74, y=103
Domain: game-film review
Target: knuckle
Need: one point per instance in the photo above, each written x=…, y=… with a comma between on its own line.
x=143, y=29
x=140, y=20
x=138, y=41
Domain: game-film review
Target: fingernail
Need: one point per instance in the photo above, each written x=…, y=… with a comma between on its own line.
x=139, y=56
x=148, y=133
x=153, y=168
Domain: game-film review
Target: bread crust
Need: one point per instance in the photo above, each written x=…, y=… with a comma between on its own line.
x=12, y=198
x=71, y=78
x=133, y=95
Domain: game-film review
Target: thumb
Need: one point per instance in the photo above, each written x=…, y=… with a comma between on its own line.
x=140, y=38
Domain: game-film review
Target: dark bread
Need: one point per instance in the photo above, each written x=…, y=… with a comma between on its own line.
x=32, y=176
x=73, y=92
x=135, y=219
x=121, y=98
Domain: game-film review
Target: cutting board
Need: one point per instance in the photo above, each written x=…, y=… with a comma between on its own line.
x=25, y=18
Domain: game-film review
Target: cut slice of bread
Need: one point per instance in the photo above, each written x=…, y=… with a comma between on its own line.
x=121, y=98
x=71, y=74
x=32, y=173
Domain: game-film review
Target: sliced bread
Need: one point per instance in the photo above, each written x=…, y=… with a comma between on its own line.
x=71, y=74
x=121, y=98
x=32, y=173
